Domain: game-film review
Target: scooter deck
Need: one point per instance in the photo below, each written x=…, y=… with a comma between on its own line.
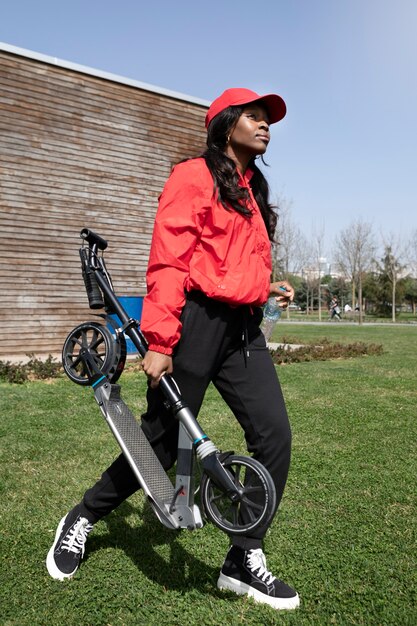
x=134, y=444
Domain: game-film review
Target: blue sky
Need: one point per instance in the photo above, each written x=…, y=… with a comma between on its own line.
x=347, y=70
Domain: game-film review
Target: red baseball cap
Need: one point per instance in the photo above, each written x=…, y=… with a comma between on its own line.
x=274, y=104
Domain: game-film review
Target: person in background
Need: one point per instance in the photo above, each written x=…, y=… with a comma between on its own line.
x=208, y=276
x=334, y=309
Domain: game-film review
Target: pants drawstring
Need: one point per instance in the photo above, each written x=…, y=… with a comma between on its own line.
x=245, y=335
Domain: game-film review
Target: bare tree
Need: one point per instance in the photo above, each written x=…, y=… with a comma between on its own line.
x=354, y=253
x=290, y=247
x=395, y=252
x=289, y=251
x=309, y=275
x=317, y=242
x=412, y=253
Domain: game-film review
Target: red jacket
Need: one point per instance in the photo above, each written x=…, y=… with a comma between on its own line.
x=198, y=244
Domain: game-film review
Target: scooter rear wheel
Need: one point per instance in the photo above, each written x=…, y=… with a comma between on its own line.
x=257, y=502
x=107, y=352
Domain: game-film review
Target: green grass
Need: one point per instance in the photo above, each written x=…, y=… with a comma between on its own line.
x=345, y=535
x=351, y=317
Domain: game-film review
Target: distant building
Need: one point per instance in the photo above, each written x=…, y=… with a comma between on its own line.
x=312, y=272
x=79, y=148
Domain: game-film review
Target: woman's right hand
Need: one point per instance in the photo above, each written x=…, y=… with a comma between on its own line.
x=283, y=296
x=155, y=365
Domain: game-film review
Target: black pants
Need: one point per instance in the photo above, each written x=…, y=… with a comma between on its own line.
x=211, y=350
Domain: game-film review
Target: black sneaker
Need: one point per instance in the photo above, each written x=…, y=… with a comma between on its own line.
x=244, y=572
x=66, y=552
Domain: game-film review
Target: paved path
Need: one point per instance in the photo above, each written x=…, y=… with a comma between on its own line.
x=284, y=346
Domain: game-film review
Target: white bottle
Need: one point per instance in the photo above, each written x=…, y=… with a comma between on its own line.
x=272, y=313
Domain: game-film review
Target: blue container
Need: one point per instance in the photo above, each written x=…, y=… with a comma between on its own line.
x=133, y=307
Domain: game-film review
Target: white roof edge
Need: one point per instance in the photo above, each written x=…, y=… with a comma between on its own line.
x=44, y=58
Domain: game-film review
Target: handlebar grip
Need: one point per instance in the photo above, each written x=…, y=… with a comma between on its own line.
x=95, y=297
x=93, y=239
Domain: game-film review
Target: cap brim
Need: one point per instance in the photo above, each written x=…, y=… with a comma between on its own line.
x=274, y=104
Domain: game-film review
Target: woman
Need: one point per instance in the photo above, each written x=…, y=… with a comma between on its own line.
x=208, y=275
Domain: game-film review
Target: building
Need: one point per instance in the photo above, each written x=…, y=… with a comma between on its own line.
x=78, y=148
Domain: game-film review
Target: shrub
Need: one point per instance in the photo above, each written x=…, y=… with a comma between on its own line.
x=323, y=350
x=13, y=372
x=43, y=369
x=34, y=369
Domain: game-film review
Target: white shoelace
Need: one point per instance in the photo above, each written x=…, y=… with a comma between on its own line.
x=76, y=538
x=256, y=561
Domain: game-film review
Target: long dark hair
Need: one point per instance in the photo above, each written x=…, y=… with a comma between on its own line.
x=225, y=175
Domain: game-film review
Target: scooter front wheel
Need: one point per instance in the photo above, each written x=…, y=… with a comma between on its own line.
x=107, y=352
x=255, y=505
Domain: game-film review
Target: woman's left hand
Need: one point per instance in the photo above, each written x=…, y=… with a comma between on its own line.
x=283, y=297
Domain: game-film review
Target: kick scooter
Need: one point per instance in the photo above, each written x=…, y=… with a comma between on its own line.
x=237, y=493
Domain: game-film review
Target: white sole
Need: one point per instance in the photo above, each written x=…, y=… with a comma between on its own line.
x=50, y=561
x=281, y=604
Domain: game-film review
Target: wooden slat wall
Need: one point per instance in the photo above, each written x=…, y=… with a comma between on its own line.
x=75, y=151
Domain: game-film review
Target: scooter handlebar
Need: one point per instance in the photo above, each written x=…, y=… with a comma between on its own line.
x=93, y=239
